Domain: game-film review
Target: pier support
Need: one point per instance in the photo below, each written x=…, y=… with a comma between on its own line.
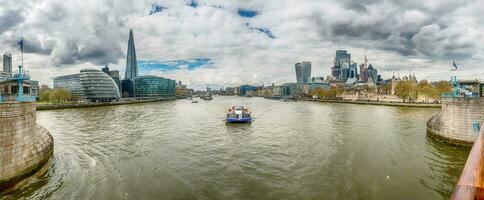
x=25, y=146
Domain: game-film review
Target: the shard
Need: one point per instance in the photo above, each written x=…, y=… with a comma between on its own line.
x=131, y=64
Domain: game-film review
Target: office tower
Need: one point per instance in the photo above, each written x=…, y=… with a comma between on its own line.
x=303, y=71
x=7, y=63
x=341, y=67
x=131, y=63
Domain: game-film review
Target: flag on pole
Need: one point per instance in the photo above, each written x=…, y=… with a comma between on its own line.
x=455, y=65
x=21, y=43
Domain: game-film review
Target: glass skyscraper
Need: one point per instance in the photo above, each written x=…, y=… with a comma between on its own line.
x=303, y=72
x=342, y=62
x=131, y=63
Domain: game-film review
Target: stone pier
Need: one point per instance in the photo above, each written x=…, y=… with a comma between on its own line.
x=455, y=121
x=25, y=146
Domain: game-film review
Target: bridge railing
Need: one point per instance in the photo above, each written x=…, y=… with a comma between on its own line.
x=471, y=183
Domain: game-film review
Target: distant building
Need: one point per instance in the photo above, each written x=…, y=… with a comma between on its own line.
x=90, y=85
x=341, y=67
x=114, y=74
x=97, y=86
x=303, y=71
x=71, y=83
x=34, y=89
x=182, y=90
x=353, y=71
x=394, y=85
x=127, y=88
x=246, y=89
x=293, y=90
x=153, y=86
x=229, y=91
x=316, y=80
x=363, y=73
x=277, y=91
x=5, y=76
x=373, y=74
x=309, y=88
x=7, y=63
x=131, y=62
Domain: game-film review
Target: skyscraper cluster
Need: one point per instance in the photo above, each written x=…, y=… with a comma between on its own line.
x=345, y=70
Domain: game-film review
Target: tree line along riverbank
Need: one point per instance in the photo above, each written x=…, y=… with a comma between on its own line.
x=379, y=103
x=70, y=105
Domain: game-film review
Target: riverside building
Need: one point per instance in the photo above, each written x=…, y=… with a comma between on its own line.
x=154, y=86
x=91, y=85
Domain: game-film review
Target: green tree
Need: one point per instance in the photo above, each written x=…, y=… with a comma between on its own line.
x=407, y=90
x=440, y=88
x=45, y=95
x=60, y=95
x=425, y=89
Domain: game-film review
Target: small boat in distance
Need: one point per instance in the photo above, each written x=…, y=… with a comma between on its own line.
x=194, y=101
x=238, y=114
x=208, y=97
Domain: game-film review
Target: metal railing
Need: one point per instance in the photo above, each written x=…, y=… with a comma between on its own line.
x=471, y=182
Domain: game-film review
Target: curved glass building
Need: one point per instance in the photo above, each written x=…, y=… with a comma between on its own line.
x=98, y=86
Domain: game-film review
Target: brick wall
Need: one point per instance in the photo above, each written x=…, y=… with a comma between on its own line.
x=24, y=145
x=455, y=120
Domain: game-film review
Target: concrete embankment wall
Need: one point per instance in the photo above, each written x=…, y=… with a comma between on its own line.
x=25, y=146
x=455, y=120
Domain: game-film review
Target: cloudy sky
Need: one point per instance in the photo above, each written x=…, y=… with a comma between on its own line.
x=215, y=42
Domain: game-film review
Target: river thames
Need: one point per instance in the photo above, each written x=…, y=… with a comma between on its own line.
x=292, y=150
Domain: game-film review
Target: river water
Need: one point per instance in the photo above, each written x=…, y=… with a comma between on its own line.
x=292, y=150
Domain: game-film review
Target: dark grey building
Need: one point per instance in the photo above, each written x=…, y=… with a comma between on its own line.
x=131, y=62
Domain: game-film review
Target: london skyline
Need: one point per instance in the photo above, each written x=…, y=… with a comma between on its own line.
x=233, y=43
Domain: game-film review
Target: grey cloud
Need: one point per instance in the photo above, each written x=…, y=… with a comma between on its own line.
x=9, y=19
x=407, y=28
x=35, y=46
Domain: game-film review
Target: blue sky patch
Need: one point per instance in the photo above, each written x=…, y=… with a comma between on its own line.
x=248, y=13
x=192, y=3
x=266, y=31
x=156, y=8
x=147, y=66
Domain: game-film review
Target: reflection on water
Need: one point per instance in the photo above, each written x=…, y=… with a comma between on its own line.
x=292, y=150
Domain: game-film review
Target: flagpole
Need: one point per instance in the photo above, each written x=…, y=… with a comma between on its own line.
x=22, y=52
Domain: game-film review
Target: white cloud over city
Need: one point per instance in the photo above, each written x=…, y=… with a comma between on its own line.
x=252, y=42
